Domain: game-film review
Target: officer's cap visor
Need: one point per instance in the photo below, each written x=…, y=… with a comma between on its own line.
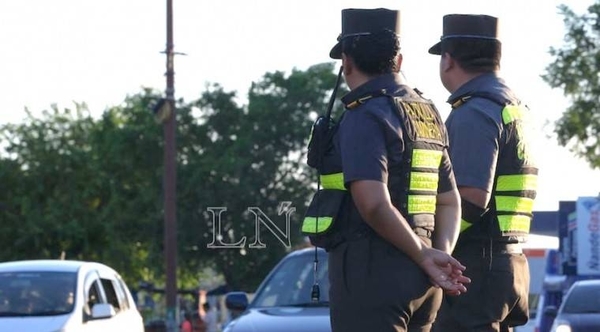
x=436, y=49
x=336, y=51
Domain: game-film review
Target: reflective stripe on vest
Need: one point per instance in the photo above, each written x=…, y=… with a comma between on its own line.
x=421, y=204
x=511, y=113
x=424, y=182
x=333, y=181
x=464, y=225
x=517, y=182
x=310, y=224
x=514, y=209
x=514, y=204
x=515, y=223
x=426, y=158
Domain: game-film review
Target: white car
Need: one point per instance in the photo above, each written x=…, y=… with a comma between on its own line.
x=65, y=296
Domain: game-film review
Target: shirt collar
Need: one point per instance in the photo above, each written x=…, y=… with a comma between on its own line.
x=379, y=83
x=475, y=84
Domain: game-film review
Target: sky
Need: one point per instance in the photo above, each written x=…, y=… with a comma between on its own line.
x=98, y=52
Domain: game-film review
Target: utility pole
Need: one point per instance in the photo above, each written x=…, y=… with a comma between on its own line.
x=170, y=180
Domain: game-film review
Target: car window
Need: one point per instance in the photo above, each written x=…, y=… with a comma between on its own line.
x=292, y=282
x=92, y=295
x=121, y=290
x=583, y=299
x=111, y=293
x=37, y=293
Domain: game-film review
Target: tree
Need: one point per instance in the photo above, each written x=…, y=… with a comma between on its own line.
x=77, y=189
x=575, y=70
x=252, y=156
x=92, y=188
x=48, y=165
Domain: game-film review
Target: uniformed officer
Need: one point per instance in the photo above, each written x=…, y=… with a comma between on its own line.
x=393, y=149
x=496, y=176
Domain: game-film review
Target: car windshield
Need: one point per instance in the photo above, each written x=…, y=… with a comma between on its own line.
x=36, y=293
x=583, y=299
x=292, y=282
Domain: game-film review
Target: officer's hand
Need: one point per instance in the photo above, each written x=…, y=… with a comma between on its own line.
x=444, y=271
x=456, y=275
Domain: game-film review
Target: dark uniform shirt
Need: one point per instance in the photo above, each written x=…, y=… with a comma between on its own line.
x=475, y=132
x=371, y=138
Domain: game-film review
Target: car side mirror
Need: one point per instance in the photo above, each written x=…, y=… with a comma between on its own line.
x=551, y=311
x=236, y=301
x=102, y=310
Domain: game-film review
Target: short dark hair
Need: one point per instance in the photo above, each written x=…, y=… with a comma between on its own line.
x=374, y=54
x=474, y=55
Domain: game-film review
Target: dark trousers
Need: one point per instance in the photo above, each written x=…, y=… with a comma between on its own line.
x=497, y=298
x=375, y=287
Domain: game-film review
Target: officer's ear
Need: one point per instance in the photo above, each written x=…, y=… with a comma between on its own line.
x=398, y=63
x=347, y=64
x=447, y=63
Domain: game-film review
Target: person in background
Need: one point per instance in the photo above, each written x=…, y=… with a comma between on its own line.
x=197, y=323
x=186, y=325
x=207, y=313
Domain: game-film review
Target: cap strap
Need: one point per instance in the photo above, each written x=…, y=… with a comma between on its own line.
x=468, y=36
x=341, y=36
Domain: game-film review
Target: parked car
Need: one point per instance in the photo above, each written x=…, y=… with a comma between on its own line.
x=65, y=296
x=283, y=301
x=579, y=310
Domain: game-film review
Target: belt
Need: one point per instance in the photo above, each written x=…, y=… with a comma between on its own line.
x=503, y=248
x=420, y=231
x=487, y=247
x=364, y=232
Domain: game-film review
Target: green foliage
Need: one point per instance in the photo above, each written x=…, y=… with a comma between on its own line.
x=83, y=187
x=251, y=157
x=49, y=165
x=575, y=70
x=92, y=188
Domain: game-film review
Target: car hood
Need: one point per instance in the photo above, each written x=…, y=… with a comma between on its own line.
x=289, y=319
x=582, y=322
x=33, y=323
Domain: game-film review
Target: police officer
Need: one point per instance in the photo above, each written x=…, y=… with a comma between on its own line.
x=496, y=176
x=392, y=143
